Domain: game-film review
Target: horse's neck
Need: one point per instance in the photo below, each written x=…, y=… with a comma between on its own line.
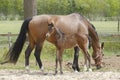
x=95, y=39
x=95, y=46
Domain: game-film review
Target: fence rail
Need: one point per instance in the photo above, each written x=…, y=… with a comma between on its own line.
x=10, y=35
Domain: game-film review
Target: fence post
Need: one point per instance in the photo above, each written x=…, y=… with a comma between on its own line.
x=9, y=39
x=118, y=24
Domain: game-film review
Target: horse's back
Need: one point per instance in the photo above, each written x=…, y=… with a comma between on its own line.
x=38, y=27
x=70, y=24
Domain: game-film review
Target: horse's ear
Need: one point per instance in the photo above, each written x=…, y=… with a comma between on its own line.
x=50, y=24
x=102, y=45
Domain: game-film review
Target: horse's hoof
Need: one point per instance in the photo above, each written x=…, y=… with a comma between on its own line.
x=76, y=71
x=89, y=70
x=42, y=68
x=85, y=69
x=76, y=68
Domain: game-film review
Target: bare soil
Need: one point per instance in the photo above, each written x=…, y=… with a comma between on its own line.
x=110, y=71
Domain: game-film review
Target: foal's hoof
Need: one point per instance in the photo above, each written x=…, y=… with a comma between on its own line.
x=90, y=70
x=55, y=72
x=61, y=72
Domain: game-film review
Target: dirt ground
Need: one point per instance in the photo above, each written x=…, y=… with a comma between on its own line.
x=111, y=71
x=112, y=63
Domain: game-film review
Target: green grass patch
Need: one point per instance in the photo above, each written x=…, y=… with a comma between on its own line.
x=106, y=26
x=10, y=26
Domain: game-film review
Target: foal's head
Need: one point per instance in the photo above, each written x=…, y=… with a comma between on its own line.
x=98, y=56
x=51, y=29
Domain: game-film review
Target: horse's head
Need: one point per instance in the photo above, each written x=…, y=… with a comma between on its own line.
x=51, y=29
x=98, y=56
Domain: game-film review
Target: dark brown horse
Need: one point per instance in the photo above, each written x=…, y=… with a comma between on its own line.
x=74, y=30
x=36, y=27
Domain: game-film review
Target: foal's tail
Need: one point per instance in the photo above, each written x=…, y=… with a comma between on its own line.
x=15, y=50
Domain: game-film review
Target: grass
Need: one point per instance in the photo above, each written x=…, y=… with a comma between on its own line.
x=106, y=26
x=48, y=52
x=10, y=26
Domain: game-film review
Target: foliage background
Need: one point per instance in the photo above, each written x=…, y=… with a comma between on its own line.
x=13, y=9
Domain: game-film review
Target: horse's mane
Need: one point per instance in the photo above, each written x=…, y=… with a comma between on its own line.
x=93, y=33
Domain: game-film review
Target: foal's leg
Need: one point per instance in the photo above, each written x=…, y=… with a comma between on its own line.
x=37, y=55
x=75, y=65
x=59, y=58
x=27, y=55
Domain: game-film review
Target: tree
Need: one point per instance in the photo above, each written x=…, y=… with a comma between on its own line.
x=29, y=8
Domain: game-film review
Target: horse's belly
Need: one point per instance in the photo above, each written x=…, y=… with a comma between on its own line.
x=67, y=43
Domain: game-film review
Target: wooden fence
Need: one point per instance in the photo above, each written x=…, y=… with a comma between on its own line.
x=10, y=35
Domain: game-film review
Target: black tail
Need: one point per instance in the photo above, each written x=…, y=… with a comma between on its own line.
x=15, y=50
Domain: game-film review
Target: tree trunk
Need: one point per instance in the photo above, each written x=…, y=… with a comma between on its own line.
x=29, y=8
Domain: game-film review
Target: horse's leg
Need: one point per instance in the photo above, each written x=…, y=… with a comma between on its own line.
x=87, y=65
x=37, y=54
x=83, y=43
x=59, y=58
x=27, y=54
x=75, y=65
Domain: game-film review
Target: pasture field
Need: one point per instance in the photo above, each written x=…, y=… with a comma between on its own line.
x=106, y=26
x=111, y=50
x=101, y=26
x=10, y=26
